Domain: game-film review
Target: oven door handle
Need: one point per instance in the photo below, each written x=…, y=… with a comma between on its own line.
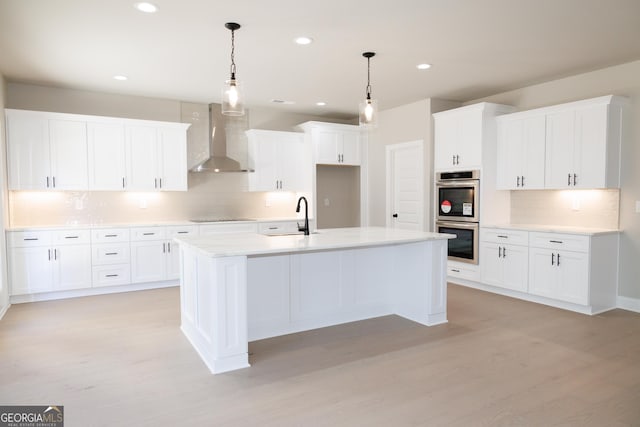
x=453, y=183
x=456, y=224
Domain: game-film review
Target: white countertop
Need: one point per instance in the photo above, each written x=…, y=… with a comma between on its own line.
x=327, y=239
x=554, y=229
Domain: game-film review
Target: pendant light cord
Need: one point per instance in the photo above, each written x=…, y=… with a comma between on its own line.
x=233, y=51
x=368, y=78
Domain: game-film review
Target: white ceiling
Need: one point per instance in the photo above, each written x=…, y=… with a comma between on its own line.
x=477, y=48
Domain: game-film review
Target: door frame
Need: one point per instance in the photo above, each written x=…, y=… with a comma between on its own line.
x=389, y=152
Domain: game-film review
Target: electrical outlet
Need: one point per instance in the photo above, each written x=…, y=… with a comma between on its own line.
x=326, y=201
x=142, y=203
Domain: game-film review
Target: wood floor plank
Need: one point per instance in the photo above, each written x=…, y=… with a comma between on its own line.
x=121, y=359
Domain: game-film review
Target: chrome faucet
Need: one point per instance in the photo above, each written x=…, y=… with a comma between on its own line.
x=306, y=215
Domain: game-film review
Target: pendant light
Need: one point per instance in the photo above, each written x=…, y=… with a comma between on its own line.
x=369, y=108
x=232, y=97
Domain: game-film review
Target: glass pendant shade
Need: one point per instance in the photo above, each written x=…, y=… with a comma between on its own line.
x=369, y=113
x=232, y=98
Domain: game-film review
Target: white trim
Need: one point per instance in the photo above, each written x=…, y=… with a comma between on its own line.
x=626, y=303
x=4, y=311
x=389, y=149
x=48, y=296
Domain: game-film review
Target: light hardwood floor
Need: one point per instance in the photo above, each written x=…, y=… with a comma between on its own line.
x=121, y=360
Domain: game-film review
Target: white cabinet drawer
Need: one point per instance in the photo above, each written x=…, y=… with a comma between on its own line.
x=148, y=233
x=462, y=271
x=207, y=229
x=113, y=253
x=110, y=235
x=182, y=230
x=278, y=227
x=504, y=236
x=26, y=239
x=71, y=237
x=111, y=275
x=569, y=242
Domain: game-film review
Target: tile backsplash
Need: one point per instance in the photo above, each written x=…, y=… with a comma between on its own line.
x=581, y=208
x=209, y=196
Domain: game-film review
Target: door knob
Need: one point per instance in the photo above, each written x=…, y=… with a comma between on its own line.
x=395, y=215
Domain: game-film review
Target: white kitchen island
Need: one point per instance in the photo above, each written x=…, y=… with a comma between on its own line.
x=237, y=288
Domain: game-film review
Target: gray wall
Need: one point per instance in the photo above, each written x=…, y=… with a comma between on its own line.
x=4, y=291
x=618, y=80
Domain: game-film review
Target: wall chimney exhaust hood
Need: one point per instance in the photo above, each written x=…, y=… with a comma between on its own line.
x=216, y=143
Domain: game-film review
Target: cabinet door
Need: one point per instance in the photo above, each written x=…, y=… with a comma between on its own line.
x=294, y=164
x=532, y=153
x=173, y=261
x=173, y=159
x=28, y=147
x=446, y=142
x=509, y=157
x=327, y=146
x=264, y=150
x=515, y=260
x=30, y=270
x=491, y=264
x=107, y=159
x=72, y=267
x=573, y=280
x=350, y=148
x=142, y=158
x=469, y=146
x=590, y=152
x=542, y=274
x=148, y=261
x=559, y=150
x=68, y=145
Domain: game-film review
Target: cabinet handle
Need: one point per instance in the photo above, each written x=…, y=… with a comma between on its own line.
x=55, y=254
x=54, y=181
x=522, y=181
x=555, y=241
x=183, y=232
x=518, y=182
x=111, y=253
x=455, y=270
x=148, y=234
x=568, y=179
x=72, y=237
x=553, y=259
x=155, y=182
x=558, y=260
x=499, y=252
x=47, y=182
x=110, y=235
x=453, y=159
x=30, y=238
x=273, y=228
x=123, y=182
x=49, y=252
x=457, y=159
x=111, y=275
x=164, y=247
x=160, y=179
x=169, y=247
x=504, y=252
x=503, y=237
x=574, y=179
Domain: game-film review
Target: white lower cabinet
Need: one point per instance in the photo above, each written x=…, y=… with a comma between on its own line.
x=504, y=258
x=48, y=261
x=110, y=257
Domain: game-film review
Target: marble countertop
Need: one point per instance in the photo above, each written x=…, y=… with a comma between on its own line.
x=326, y=239
x=554, y=229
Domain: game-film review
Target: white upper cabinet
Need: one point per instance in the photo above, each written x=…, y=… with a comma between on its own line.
x=460, y=134
x=107, y=154
x=334, y=144
x=521, y=152
x=282, y=161
x=579, y=143
x=46, y=152
x=56, y=151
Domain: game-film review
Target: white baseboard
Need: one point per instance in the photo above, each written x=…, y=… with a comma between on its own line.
x=631, y=304
x=4, y=310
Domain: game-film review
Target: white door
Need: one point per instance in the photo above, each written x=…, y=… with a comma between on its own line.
x=173, y=159
x=68, y=145
x=106, y=147
x=142, y=158
x=72, y=267
x=559, y=149
x=28, y=146
x=31, y=270
x=148, y=261
x=405, y=186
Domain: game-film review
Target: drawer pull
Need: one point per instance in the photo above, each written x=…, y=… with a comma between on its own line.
x=110, y=235
x=503, y=237
x=148, y=234
x=555, y=241
x=111, y=275
x=111, y=253
x=455, y=271
x=30, y=238
x=72, y=237
x=273, y=228
x=183, y=232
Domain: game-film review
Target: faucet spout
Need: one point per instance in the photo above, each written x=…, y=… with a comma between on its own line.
x=305, y=228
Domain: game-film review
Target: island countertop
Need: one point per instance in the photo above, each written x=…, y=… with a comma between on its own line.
x=247, y=244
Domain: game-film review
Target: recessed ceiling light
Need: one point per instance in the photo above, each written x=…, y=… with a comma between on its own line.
x=321, y=103
x=120, y=77
x=424, y=66
x=146, y=7
x=303, y=40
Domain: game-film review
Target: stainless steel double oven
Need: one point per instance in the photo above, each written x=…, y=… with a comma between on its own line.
x=458, y=212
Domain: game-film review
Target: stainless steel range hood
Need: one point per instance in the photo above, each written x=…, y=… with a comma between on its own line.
x=225, y=148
